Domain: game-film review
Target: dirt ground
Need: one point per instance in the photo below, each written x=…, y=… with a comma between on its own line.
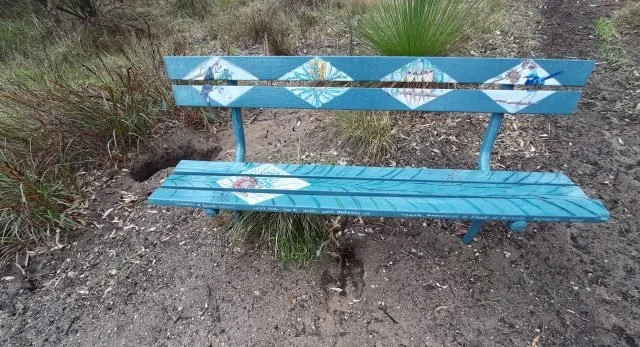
x=143, y=275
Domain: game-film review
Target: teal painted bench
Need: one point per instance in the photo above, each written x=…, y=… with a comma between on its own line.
x=512, y=86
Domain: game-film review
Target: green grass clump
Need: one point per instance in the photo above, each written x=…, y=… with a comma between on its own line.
x=370, y=133
x=198, y=9
x=293, y=238
x=634, y=14
x=268, y=22
x=424, y=27
x=113, y=113
x=32, y=205
x=610, y=47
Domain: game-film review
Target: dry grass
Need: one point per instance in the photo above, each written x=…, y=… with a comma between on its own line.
x=293, y=238
x=265, y=22
x=369, y=134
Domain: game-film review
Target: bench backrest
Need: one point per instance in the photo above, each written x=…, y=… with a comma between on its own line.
x=540, y=84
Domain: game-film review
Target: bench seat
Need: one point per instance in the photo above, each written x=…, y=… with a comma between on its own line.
x=376, y=191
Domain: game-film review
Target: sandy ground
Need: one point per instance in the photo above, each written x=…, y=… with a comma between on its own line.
x=143, y=275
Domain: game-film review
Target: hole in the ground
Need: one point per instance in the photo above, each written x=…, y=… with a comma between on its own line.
x=167, y=152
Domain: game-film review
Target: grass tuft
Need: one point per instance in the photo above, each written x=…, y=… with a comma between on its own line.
x=268, y=22
x=32, y=205
x=424, y=27
x=369, y=133
x=611, y=47
x=198, y=9
x=293, y=238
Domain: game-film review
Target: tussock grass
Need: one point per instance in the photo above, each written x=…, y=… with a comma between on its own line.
x=368, y=133
x=73, y=94
x=263, y=21
x=199, y=9
x=424, y=27
x=634, y=14
x=33, y=206
x=111, y=114
x=293, y=238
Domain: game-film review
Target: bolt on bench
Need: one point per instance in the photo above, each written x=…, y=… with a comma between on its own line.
x=475, y=195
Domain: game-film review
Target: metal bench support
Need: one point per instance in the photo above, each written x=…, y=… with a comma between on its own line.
x=484, y=163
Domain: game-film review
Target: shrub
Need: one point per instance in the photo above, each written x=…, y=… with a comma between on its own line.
x=369, y=133
x=423, y=27
x=294, y=238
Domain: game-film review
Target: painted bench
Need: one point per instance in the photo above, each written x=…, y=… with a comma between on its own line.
x=512, y=86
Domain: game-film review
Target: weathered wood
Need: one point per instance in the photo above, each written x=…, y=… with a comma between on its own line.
x=420, y=193
x=218, y=168
x=561, y=209
x=554, y=72
x=482, y=195
x=381, y=187
x=389, y=99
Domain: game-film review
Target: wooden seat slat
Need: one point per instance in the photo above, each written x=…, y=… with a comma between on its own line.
x=345, y=186
x=218, y=168
x=565, y=209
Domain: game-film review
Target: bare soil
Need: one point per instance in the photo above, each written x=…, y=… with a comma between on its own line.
x=143, y=275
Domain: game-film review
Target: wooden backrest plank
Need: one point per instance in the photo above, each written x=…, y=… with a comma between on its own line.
x=387, y=99
x=550, y=72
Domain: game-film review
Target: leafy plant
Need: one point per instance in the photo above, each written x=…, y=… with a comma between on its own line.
x=370, y=133
x=294, y=238
x=423, y=27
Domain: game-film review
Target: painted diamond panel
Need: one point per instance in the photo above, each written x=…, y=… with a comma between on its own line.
x=316, y=69
x=528, y=73
x=221, y=94
x=413, y=97
x=217, y=68
x=514, y=101
x=419, y=70
x=317, y=96
x=251, y=182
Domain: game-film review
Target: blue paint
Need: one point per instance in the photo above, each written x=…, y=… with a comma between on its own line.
x=374, y=99
x=560, y=209
x=371, y=68
x=238, y=129
x=490, y=136
x=476, y=195
x=472, y=232
x=218, y=168
x=534, y=80
x=518, y=227
x=346, y=186
x=452, y=198
x=211, y=212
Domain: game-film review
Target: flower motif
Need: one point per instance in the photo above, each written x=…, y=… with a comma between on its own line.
x=513, y=76
x=245, y=183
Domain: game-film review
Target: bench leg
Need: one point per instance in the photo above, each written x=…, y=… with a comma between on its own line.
x=211, y=212
x=473, y=231
x=518, y=227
